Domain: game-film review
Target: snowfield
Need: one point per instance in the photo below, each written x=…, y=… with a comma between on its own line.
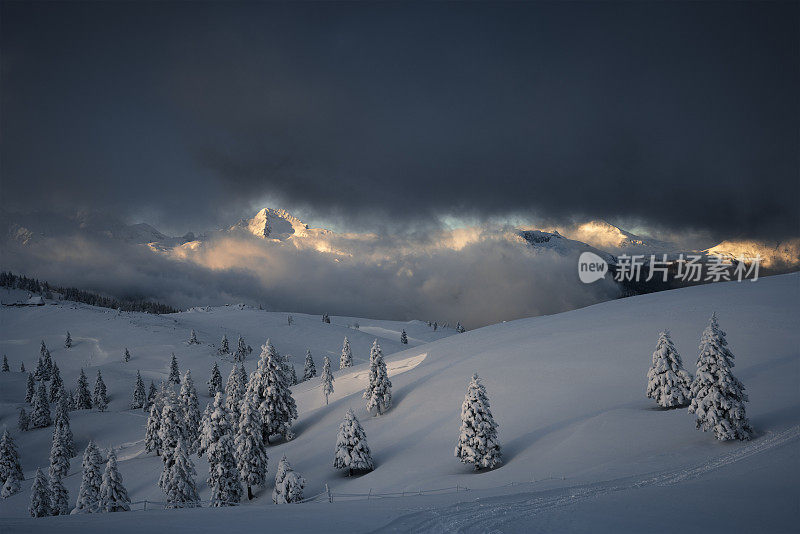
x=584, y=450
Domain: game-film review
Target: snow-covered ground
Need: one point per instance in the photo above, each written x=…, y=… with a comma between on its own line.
x=584, y=449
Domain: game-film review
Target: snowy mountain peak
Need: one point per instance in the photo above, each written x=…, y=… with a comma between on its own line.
x=273, y=224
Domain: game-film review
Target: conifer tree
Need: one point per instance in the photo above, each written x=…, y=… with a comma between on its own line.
x=309, y=370
x=139, y=393
x=171, y=431
x=127, y=355
x=379, y=389
x=68, y=341
x=668, y=382
x=288, y=484
x=477, y=439
x=47, y=362
x=84, y=401
x=62, y=423
x=217, y=443
x=56, y=384
x=178, y=481
x=347, y=355
x=12, y=486
x=100, y=399
x=10, y=468
x=404, y=338
x=152, y=393
x=59, y=468
x=38, y=373
x=215, y=382
x=73, y=400
x=113, y=495
x=223, y=346
x=191, y=412
x=327, y=379
x=30, y=389
x=6, y=368
x=22, y=367
x=251, y=451
x=91, y=480
x=59, y=503
x=41, y=496
x=459, y=328
x=241, y=350
x=174, y=373
x=193, y=338
x=718, y=397
x=41, y=408
x=23, y=421
x=234, y=392
x=276, y=403
x=152, y=440
x=352, y=450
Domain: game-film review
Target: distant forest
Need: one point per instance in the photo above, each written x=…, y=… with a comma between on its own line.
x=11, y=280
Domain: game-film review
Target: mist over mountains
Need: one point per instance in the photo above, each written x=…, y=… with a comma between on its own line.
x=477, y=275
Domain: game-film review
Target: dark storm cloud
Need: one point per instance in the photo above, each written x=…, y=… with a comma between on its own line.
x=682, y=115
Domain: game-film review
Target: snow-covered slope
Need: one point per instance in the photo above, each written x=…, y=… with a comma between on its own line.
x=567, y=391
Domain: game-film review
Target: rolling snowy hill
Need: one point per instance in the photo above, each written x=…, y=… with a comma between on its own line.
x=567, y=391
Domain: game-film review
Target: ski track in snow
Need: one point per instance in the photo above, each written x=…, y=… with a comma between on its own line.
x=97, y=355
x=491, y=514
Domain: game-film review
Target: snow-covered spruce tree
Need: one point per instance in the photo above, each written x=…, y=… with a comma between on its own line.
x=352, y=451
x=73, y=400
x=152, y=393
x=100, y=398
x=6, y=368
x=152, y=440
x=59, y=503
x=347, y=355
x=241, y=350
x=68, y=341
x=56, y=384
x=292, y=376
x=127, y=355
x=22, y=367
x=404, y=338
x=288, y=484
x=223, y=346
x=327, y=379
x=668, y=382
x=234, y=393
x=309, y=370
x=217, y=444
x=113, y=495
x=191, y=412
x=84, y=397
x=91, y=479
x=41, y=408
x=47, y=362
x=23, y=421
x=10, y=468
x=62, y=422
x=174, y=373
x=38, y=373
x=41, y=497
x=379, y=389
x=276, y=403
x=215, y=382
x=251, y=451
x=139, y=393
x=193, y=338
x=718, y=397
x=170, y=433
x=477, y=438
x=59, y=455
x=30, y=389
x=178, y=481
x=12, y=486
x=459, y=328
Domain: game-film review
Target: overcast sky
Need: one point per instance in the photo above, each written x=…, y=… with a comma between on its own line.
x=374, y=116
